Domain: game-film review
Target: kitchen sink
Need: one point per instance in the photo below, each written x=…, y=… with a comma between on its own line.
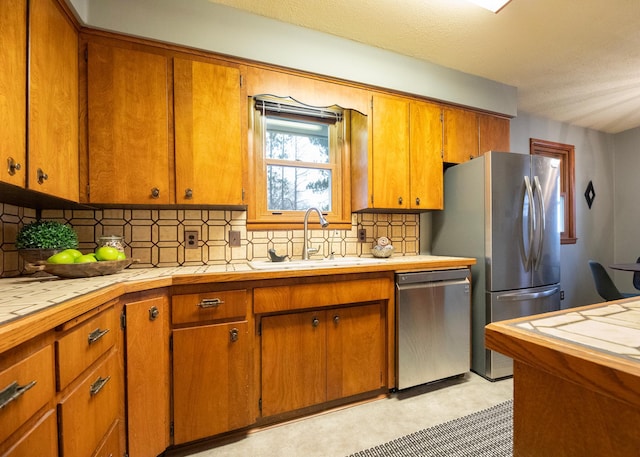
x=314, y=263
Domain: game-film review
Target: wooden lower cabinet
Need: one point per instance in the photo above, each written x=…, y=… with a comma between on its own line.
x=211, y=380
x=147, y=370
x=309, y=358
x=89, y=410
x=41, y=440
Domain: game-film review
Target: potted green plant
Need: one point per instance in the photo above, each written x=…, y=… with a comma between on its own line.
x=41, y=239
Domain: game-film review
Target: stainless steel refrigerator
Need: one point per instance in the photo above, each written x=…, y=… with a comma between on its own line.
x=502, y=209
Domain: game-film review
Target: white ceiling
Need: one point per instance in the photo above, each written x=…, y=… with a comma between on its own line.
x=573, y=61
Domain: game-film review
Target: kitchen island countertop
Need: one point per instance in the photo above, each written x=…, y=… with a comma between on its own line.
x=576, y=379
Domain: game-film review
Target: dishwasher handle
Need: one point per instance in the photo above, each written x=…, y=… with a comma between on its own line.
x=517, y=296
x=430, y=284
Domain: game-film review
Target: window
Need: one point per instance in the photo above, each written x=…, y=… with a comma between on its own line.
x=299, y=161
x=565, y=153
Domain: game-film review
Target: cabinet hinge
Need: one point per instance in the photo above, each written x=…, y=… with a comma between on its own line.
x=243, y=194
x=241, y=80
x=88, y=191
x=123, y=320
x=260, y=405
x=372, y=199
x=260, y=328
x=86, y=54
x=171, y=343
x=171, y=429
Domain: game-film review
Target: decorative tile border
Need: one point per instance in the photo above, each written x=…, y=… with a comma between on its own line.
x=156, y=236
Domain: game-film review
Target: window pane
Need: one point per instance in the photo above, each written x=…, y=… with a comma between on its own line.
x=297, y=188
x=297, y=141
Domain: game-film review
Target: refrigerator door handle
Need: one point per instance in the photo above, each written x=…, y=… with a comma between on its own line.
x=528, y=256
x=528, y=296
x=541, y=221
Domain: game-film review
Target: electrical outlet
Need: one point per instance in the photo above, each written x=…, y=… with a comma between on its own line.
x=191, y=239
x=362, y=235
x=234, y=238
x=562, y=295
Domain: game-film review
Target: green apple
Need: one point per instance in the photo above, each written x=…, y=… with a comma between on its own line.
x=106, y=253
x=121, y=256
x=74, y=253
x=61, y=257
x=86, y=258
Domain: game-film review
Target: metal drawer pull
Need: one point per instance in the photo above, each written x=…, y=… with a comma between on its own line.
x=13, y=391
x=233, y=335
x=97, y=334
x=210, y=303
x=98, y=385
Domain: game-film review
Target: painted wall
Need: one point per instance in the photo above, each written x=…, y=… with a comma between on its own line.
x=626, y=203
x=594, y=153
x=204, y=25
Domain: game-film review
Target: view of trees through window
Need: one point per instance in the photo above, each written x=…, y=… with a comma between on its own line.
x=298, y=165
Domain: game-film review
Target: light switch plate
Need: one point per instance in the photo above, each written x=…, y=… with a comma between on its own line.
x=191, y=239
x=234, y=238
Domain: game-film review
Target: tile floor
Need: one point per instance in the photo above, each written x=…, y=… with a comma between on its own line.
x=341, y=432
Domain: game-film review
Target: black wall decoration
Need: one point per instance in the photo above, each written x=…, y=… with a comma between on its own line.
x=590, y=194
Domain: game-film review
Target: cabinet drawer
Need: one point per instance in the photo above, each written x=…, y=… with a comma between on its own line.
x=83, y=345
x=304, y=296
x=41, y=440
x=86, y=414
x=110, y=447
x=26, y=387
x=228, y=304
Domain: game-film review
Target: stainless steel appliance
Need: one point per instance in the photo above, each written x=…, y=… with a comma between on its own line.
x=433, y=319
x=502, y=209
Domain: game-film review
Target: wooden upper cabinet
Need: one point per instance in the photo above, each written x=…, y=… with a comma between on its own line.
x=53, y=101
x=460, y=135
x=208, y=109
x=494, y=133
x=128, y=126
x=390, y=144
x=402, y=166
x=426, y=156
x=13, y=83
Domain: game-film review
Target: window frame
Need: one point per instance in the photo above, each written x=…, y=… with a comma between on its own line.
x=259, y=217
x=566, y=154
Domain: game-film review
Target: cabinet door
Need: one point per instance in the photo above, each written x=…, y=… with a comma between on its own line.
x=426, y=156
x=494, y=133
x=355, y=350
x=128, y=126
x=390, y=131
x=293, y=361
x=208, y=118
x=53, y=101
x=13, y=83
x=460, y=135
x=211, y=380
x=147, y=368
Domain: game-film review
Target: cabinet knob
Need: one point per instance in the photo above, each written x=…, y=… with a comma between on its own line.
x=399, y=200
x=417, y=201
x=336, y=318
x=42, y=176
x=155, y=192
x=315, y=322
x=12, y=166
x=154, y=312
x=233, y=335
x=188, y=193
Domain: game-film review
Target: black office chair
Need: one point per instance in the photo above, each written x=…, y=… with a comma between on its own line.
x=636, y=277
x=604, y=284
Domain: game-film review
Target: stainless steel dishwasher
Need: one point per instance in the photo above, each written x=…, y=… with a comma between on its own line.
x=433, y=325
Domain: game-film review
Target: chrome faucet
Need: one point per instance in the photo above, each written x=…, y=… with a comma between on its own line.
x=306, y=250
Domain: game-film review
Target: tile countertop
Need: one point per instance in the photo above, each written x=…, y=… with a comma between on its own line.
x=36, y=297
